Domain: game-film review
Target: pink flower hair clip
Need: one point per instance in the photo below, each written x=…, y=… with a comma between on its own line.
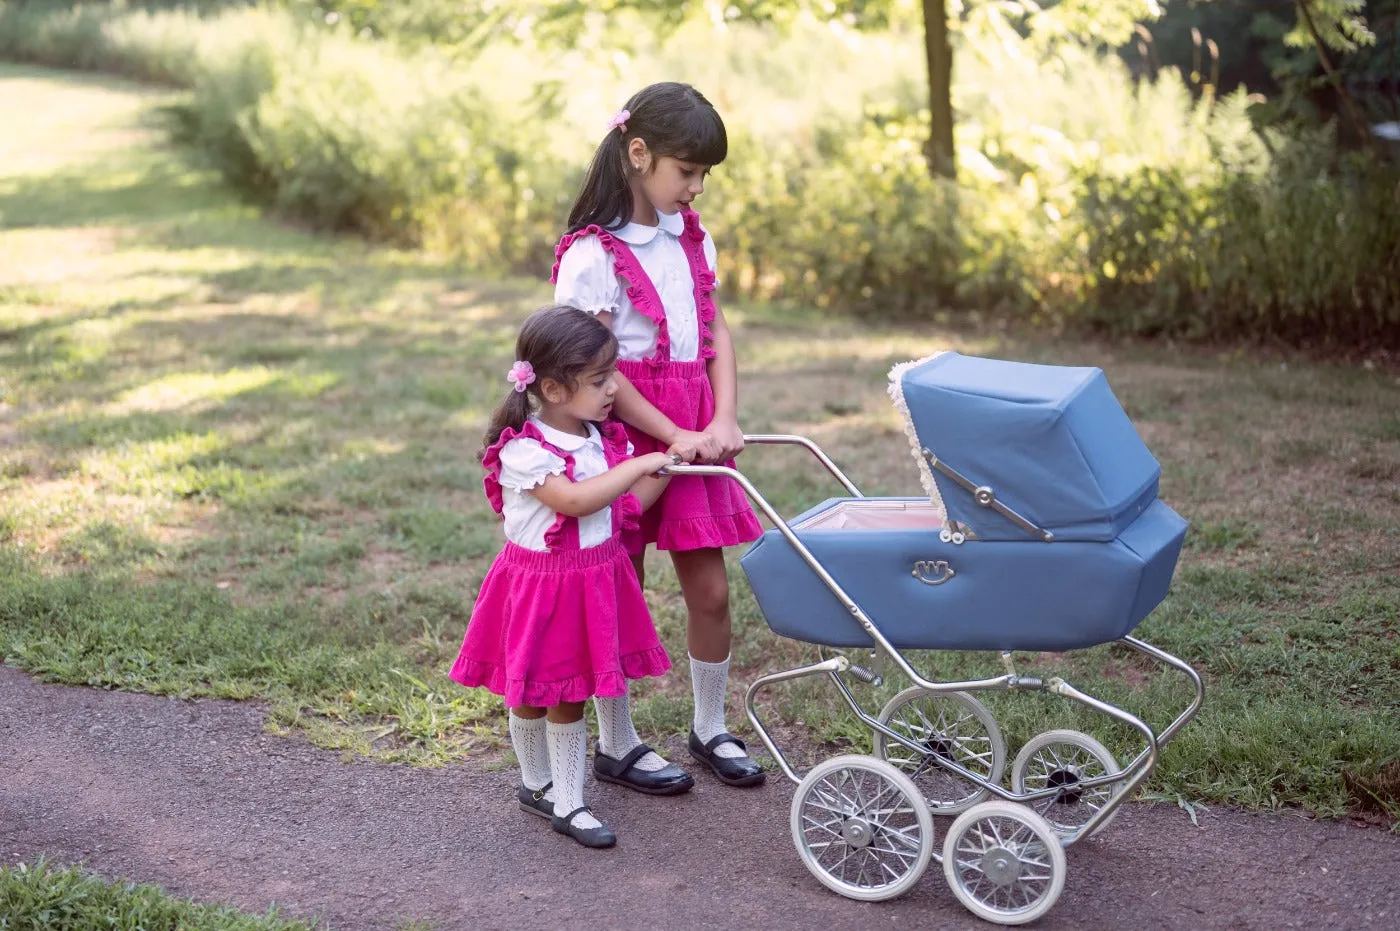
x=521, y=374
x=619, y=121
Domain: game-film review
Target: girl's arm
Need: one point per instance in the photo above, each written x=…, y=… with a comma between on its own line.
x=632, y=408
x=579, y=499
x=724, y=380
x=650, y=487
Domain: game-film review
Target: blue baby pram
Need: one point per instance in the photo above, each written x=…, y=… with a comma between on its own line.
x=1040, y=530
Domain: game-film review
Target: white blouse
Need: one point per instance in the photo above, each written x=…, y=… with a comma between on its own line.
x=525, y=464
x=587, y=281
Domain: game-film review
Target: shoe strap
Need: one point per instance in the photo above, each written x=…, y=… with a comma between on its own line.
x=725, y=738
x=633, y=755
x=569, y=818
x=539, y=793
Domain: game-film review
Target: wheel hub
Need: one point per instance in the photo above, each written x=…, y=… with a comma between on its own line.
x=1001, y=866
x=1067, y=781
x=857, y=832
x=940, y=746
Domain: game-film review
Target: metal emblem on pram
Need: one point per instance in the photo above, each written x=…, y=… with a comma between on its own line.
x=933, y=572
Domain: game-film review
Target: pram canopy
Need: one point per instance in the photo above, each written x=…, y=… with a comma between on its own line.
x=1051, y=442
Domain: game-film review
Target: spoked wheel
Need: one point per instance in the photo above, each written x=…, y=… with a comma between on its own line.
x=949, y=725
x=1004, y=863
x=1061, y=760
x=862, y=828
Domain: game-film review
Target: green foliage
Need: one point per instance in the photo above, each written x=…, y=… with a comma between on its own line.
x=1306, y=253
x=475, y=22
x=1138, y=208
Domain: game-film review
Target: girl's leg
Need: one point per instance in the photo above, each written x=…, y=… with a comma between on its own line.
x=527, y=736
x=705, y=586
x=617, y=737
x=567, y=737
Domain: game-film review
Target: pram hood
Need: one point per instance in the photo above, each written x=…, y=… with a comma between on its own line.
x=1051, y=442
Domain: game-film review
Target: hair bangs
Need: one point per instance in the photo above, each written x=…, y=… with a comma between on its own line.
x=700, y=137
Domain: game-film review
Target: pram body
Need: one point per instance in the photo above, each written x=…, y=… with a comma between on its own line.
x=1040, y=530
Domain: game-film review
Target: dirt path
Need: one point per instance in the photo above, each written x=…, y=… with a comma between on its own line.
x=194, y=796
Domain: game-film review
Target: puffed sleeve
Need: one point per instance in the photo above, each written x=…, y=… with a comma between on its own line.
x=525, y=464
x=587, y=279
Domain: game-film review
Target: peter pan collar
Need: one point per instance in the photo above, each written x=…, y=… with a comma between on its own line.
x=569, y=442
x=639, y=234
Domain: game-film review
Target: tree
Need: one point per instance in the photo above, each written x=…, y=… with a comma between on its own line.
x=938, y=52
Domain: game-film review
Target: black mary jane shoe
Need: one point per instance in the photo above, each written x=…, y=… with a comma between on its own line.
x=534, y=802
x=734, y=771
x=672, y=780
x=589, y=837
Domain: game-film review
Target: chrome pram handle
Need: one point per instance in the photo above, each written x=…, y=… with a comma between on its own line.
x=785, y=439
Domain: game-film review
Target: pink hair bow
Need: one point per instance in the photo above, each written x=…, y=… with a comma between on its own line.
x=521, y=374
x=619, y=121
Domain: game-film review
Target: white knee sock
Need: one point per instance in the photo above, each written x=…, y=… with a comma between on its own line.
x=707, y=680
x=567, y=757
x=527, y=737
x=618, y=735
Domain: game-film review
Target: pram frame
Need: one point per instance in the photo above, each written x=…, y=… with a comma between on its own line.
x=1131, y=776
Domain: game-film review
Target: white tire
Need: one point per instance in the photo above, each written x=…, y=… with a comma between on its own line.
x=862, y=828
x=953, y=725
x=1060, y=759
x=1004, y=863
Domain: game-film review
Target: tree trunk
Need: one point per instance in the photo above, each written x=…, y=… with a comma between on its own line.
x=940, y=88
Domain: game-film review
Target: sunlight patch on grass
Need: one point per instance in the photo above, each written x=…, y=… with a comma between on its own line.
x=191, y=390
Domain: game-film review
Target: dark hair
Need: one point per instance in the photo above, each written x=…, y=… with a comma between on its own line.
x=561, y=343
x=674, y=120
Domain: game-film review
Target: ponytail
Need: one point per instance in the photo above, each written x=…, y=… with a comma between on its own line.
x=511, y=414
x=606, y=196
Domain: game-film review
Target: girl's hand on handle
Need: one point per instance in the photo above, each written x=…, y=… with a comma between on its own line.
x=707, y=449
x=685, y=452
x=655, y=462
x=727, y=436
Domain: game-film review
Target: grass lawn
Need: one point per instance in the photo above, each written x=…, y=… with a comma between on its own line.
x=41, y=896
x=238, y=460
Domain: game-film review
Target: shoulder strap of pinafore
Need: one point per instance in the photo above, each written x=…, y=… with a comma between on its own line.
x=563, y=533
x=640, y=290
x=693, y=243
x=626, y=510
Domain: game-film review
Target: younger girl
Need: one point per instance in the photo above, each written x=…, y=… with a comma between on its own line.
x=637, y=257
x=560, y=616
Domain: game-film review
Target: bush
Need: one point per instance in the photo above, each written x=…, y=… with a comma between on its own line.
x=1081, y=197
x=1305, y=253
